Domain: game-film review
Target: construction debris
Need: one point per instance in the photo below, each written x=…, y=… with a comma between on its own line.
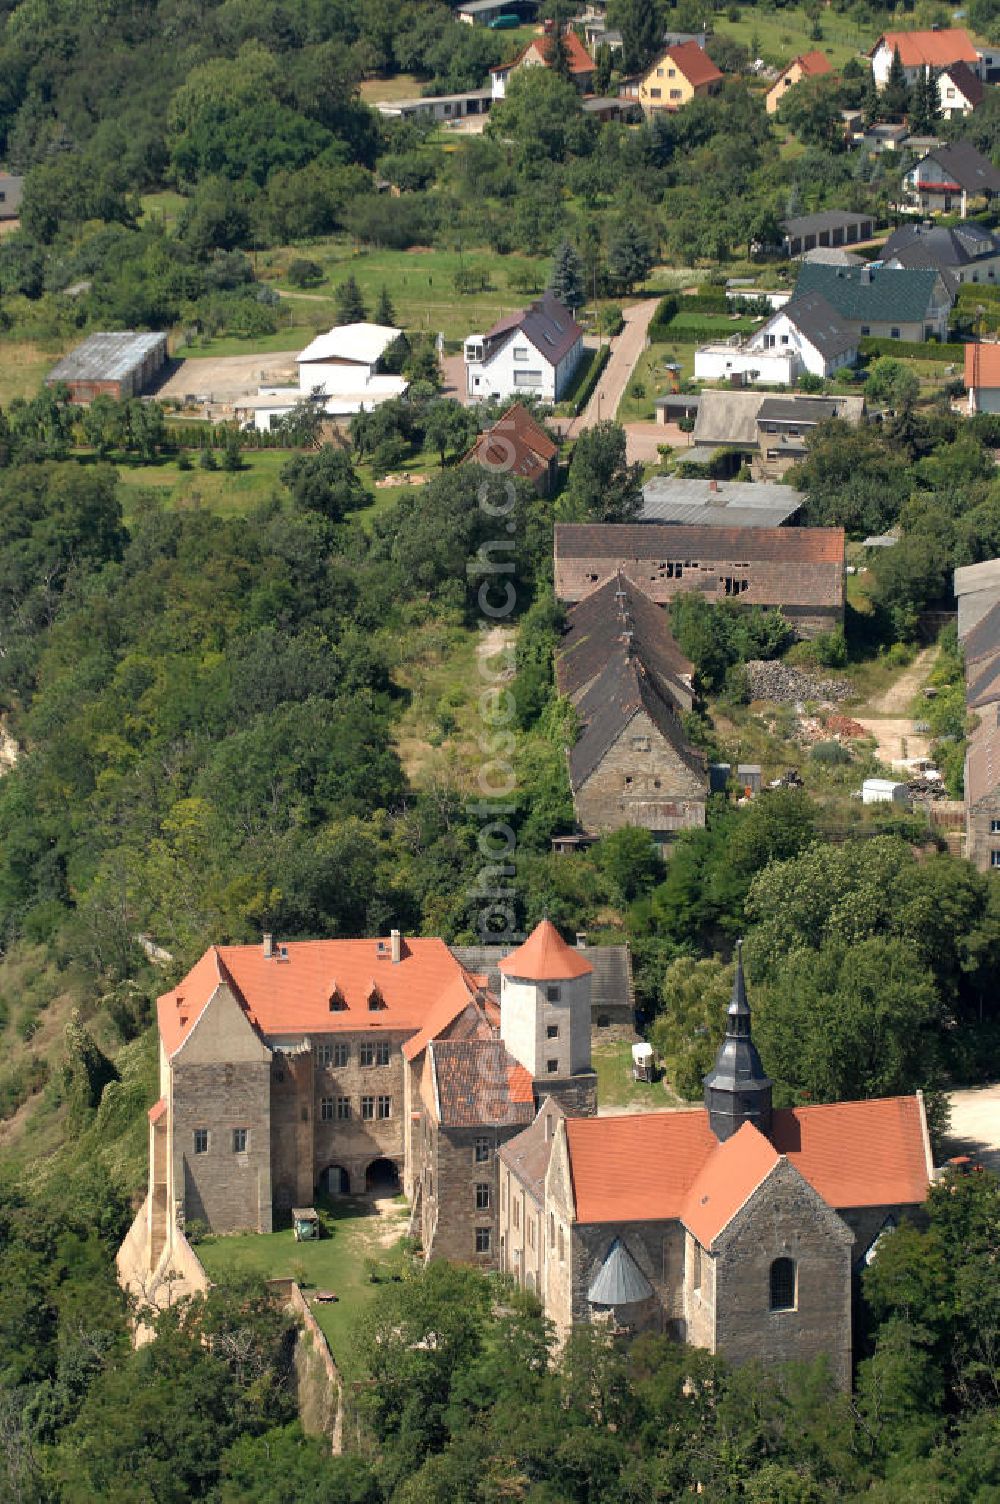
x=769, y=679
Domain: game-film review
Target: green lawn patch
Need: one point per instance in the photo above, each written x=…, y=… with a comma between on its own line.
x=162, y=208
x=214, y=490
x=616, y=1086
x=785, y=34
x=302, y=324
x=651, y=375
x=340, y=1263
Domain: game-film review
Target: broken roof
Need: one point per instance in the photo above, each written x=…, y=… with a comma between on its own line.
x=595, y=634
x=620, y=692
x=653, y=540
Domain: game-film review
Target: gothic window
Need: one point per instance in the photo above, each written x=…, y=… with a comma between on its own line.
x=337, y=1002
x=783, y=1285
x=376, y=1002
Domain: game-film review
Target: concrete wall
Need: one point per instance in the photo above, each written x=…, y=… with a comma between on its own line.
x=641, y=781
x=723, y=362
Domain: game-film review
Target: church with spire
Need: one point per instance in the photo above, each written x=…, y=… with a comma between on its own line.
x=737, y=1226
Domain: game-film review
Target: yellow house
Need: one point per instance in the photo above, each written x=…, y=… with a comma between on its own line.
x=676, y=77
x=809, y=65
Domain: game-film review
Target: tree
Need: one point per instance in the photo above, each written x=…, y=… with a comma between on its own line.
x=925, y=102
x=893, y=382
x=642, y=31
x=896, y=94
x=629, y=861
x=630, y=255
x=385, y=314
x=325, y=482
x=350, y=304
x=870, y=102
x=603, y=486
x=566, y=281
x=449, y=425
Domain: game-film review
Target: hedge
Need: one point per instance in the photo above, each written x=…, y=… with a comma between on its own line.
x=927, y=350
x=665, y=312
x=586, y=391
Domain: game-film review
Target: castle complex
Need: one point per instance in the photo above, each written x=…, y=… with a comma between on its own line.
x=351, y=1065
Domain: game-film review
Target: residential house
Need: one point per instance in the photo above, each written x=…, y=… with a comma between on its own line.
x=442, y=108
x=342, y=372
x=808, y=65
x=679, y=75
x=978, y=590
x=921, y=50
x=830, y=228
x=736, y=1226
x=535, y=350
x=884, y=136
x=883, y=302
x=11, y=193
x=518, y=445
x=951, y=177
x=612, y=988
x=738, y=420
x=960, y=90
x=799, y=569
x=719, y=503
x=982, y=377
x=805, y=334
x=964, y=252
x=631, y=763
x=538, y=54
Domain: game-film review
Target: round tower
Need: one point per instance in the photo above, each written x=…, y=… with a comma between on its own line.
x=736, y=1089
x=545, y=1005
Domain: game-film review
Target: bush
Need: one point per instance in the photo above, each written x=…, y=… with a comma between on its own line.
x=810, y=382
x=586, y=388
x=927, y=350
x=831, y=754
x=304, y=273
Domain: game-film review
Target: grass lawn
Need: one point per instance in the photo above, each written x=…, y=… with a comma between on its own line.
x=163, y=208
x=213, y=490
x=335, y=1263
x=23, y=367
x=403, y=86
x=303, y=322
x=616, y=1086
x=387, y=496
x=420, y=283
x=650, y=374
x=784, y=34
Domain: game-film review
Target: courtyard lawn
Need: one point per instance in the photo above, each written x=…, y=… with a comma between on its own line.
x=616, y=1086
x=211, y=490
x=651, y=375
x=336, y=1262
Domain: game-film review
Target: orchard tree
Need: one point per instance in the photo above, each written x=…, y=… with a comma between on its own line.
x=325, y=482
x=893, y=382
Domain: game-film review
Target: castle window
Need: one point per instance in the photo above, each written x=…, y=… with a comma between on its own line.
x=531, y=1232
x=516, y=1213
x=552, y=1066
x=552, y=1031
x=552, y=994
x=326, y=1110
x=376, y=1002
x=241, y=1137
x=343, y=1108
x=783, y=1285
x=368, y=1108
x=324, y=1054
x=481, y=1151
x=483, y=1197
x=995, y=827
x=995, y=858
x=201, y=1140
x=562, y=1245
x=375, y=1054
x=337, y=1002
x=484, y=1239
x=696, y=1267
x=341, y=1053
x=552, y=1231
x=383, y=1107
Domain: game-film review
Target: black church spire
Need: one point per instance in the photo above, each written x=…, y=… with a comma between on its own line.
x=736, y=1089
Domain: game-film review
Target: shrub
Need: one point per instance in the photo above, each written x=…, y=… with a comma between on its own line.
x=831, y=754
x=304, y=273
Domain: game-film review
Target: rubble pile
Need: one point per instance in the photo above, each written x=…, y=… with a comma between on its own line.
x=768, y=679
x=844, y=728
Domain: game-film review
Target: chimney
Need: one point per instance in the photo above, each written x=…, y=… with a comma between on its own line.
x=397, y=946
x=268, y=946
x=866, y=274
x=581, y=939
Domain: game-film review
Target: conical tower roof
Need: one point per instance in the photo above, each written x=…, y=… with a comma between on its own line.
x=545, y=957
x=619, y=1281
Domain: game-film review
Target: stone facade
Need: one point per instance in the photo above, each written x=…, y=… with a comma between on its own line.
x=641, y=780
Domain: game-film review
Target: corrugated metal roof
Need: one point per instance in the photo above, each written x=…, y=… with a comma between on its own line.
x=718, y=504
x=106, y=357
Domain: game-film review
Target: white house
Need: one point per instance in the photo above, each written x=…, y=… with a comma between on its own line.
x=960, y=90
x=347, y=361
x=919, y=50
x=533, y=352
x=807, y=334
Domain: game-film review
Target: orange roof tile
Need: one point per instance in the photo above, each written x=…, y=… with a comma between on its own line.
x=157, y=1111
x=545, y=957
x=642, y=1167
x=933, y=49
x=728, y=1179
x=812, y=64
x=456, y=997
x=292, y=995
x=580, y=60
x=982, y=365
x=694, y=62
x=478, y=1081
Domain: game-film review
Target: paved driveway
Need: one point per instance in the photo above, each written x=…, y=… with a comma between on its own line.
x=975, y=1125
x=625, y=351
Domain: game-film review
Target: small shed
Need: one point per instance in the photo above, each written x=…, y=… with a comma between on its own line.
x=884, y=791
x=642, y=1061
x=305, y=1223
x=718, y=777
x=748, y=777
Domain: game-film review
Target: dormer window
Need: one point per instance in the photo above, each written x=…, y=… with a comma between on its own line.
x=338, y=1003
x=376, y=1002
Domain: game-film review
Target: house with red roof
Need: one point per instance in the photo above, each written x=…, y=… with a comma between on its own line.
x=808, y=65
x=735, y=1226
x=518, y=445
x=922, y=51
x=538, y=54
x=677, y=76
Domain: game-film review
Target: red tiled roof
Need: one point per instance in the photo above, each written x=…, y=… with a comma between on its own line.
x=478, y=1082
x=516, y=445
x=694, y=62
x=933, y=49
x=982, y=366
x=642, y=1167
x=545, y=957
x=580, y=60
x=292, y=995
x=651, y=540
x=813, y=64
x=456, y=997
x=728, y=1179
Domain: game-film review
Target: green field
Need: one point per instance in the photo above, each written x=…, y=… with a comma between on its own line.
x=335, y=1263
x=782, y=35
x=163, y=208
x=616, y=1086
x=649, y=373
x=212, y=490
x=23, y=366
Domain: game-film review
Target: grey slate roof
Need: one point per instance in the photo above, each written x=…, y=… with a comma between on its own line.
x=826, y=219
x=965, y=166
x=548, y=324
x=105, y=357
x=616, y=697
x=718, y=503
x=595, y=634
x=866, y=296
x=808, y=411
x=819, y=322
x=611, y=984
x=940, y=245
x=984, y=639
x=619, y=1281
